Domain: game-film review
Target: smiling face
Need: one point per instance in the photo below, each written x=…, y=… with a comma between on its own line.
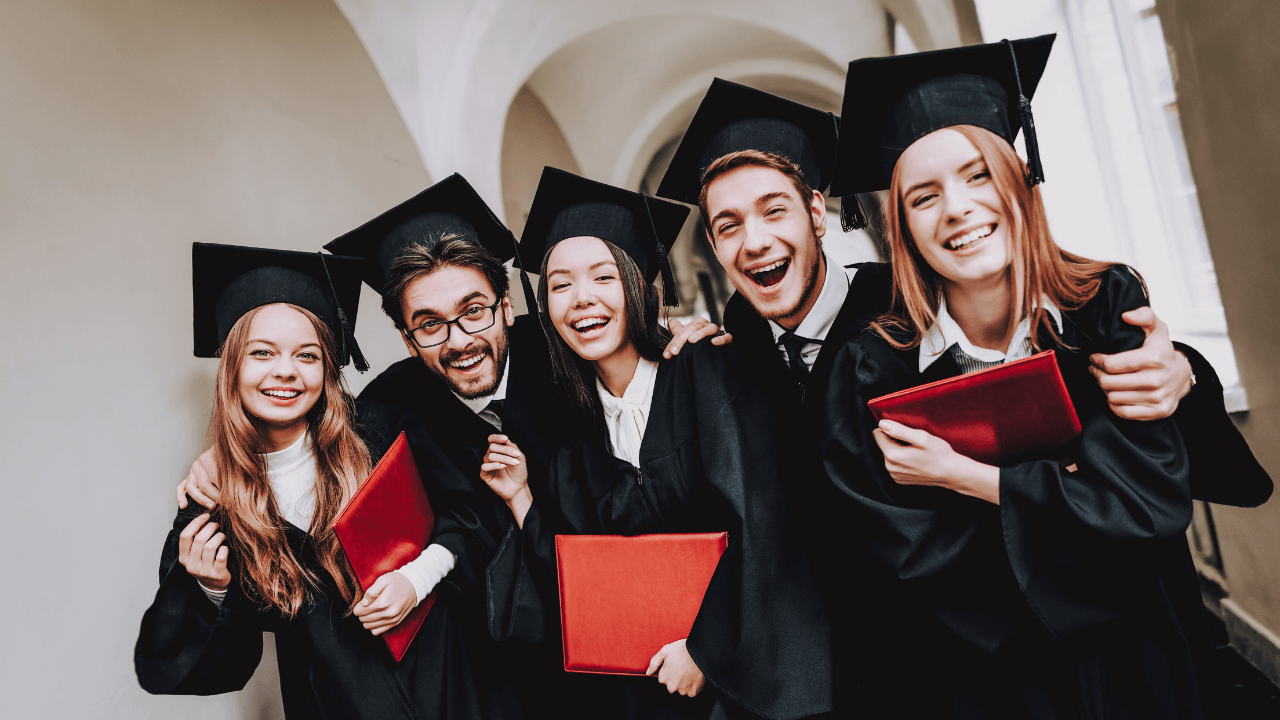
x=282, y=370
x=954, y=212
x=766, y=236
x=586, y=300
x=471, y=365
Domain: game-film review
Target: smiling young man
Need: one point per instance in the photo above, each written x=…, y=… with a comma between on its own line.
x=756, y=166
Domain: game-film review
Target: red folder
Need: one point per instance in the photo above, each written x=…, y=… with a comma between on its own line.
x=623, y=598
x=387, y=524
x=1016, y=410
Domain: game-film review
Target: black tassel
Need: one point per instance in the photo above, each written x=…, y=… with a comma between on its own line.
x=851, y=215
x=530, y=298
x=349, y=341
x=1035, y=170
x=670, y=295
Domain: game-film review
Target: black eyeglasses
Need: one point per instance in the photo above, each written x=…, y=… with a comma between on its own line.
x=436, y=332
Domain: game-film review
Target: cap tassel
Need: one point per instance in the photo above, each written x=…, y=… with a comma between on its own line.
x=851, y=215
x=670, y=293
x=1035, y=170
x=349, y=341
x=348, y=338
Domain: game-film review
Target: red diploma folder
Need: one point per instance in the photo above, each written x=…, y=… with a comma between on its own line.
x=1016, y=410
x=387, y=524
x=623, y=598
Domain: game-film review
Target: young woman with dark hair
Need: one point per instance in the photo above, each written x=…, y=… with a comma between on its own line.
x=1045, y=588
x=662, y=446
x=266, y=558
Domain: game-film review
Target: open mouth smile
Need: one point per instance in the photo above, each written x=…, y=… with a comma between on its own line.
x=282, y=396
x=469, y=363
x=967, y=240
x=769, y=275
x=590, y=327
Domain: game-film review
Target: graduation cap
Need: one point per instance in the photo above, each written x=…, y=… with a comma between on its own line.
x=890, y=102
x=228, y=281
x=451, y=206
x=567, y=206
x=735, y=117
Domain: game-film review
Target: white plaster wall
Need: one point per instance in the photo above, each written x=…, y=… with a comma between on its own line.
x=130, y=129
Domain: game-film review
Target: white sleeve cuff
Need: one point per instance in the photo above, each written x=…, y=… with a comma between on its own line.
x=215, y=596
x=428, y=569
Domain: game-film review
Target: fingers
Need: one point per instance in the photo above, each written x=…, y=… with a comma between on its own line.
x=904, y=434
x=657, y=660
x=723, y=338
x=204, y=475
x=504, y=454
x=182, y=495
x=188, y=533
x=706, y=330
x=220, y=563
x=210, y=550
x=682, y=333
x=1143, y=317
x=1124, y=363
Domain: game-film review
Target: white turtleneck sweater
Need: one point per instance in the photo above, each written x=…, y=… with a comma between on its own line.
x=292, y=474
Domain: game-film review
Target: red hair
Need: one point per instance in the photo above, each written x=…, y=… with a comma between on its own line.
x=1038, y=266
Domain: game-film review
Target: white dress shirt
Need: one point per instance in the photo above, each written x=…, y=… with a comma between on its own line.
x=817, y=323
x=946, y=336
x=628, y=416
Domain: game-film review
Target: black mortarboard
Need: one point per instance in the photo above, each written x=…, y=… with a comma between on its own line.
x=566, y=206
x=734, y=117
x=890, y=102
x=450, y=206
x=228, y=281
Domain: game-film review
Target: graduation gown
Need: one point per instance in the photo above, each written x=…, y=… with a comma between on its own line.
x=448, y=441
x=330, y=666
x=1056, y=603
x=707, y=463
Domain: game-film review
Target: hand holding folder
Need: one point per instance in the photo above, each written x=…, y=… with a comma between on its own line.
x=623, y=598
x=1004, y=413
x=387, y=524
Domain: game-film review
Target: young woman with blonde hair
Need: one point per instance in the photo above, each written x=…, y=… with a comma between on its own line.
x=1042, y=588
x=265, y=558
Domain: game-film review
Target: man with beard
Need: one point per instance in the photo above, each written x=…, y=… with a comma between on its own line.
x=756, y=165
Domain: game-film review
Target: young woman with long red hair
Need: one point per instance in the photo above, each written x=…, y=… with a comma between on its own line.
x=1043, y=588
x=266, y=558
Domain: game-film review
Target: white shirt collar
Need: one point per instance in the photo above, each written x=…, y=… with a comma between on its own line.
x=627, y=417
x=835, y=288
x=482, y=402
x=946, y=334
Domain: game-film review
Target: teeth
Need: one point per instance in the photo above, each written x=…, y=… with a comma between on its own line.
x=467, y=362
x=971, y=236
x=767, y=268
x=284, y=394
x=586, y=323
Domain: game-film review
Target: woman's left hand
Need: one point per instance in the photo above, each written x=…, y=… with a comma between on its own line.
x=916, y=457
x=388, y=600
x=677, y=670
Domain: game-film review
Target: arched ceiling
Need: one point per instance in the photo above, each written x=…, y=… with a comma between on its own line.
x=617, y=76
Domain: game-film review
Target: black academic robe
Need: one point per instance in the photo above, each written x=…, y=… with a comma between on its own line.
x=1233, y=477
x=708, y=464
x=1066, y=600
x=448, y=441
x=330, y=666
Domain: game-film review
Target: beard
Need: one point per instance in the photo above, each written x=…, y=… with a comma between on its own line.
x=809, y=288
x=476, y=387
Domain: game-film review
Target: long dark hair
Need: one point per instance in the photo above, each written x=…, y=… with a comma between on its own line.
x=247, y=510
x=574, y=376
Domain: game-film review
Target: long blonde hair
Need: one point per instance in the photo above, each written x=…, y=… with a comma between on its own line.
x=1039, y=267
x=247, y=510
